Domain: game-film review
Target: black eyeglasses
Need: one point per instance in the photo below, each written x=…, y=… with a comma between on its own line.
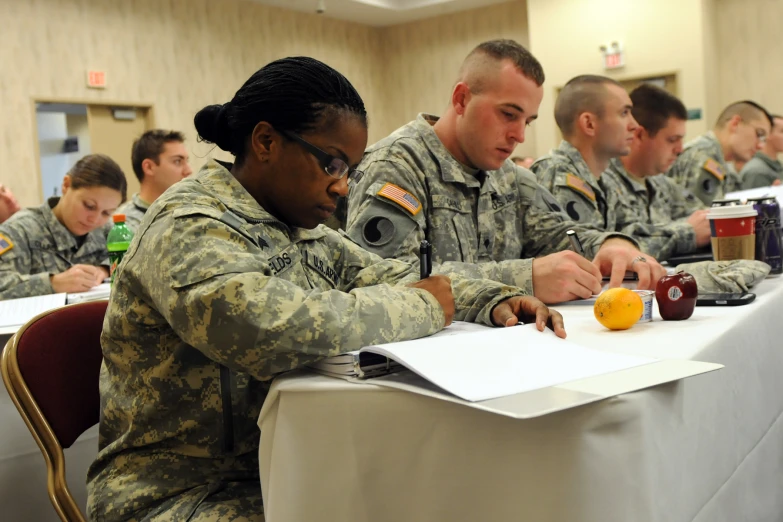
x=332, y=165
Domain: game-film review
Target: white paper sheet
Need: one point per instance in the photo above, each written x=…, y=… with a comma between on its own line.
x=16, y=312
x=497, y=362
x=101, y=291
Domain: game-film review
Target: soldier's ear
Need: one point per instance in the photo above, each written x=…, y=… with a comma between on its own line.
x=265, y=142
x=734, y=122
x=587, y=123
x=460, y=97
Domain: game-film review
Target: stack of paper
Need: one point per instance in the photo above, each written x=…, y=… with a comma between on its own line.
x=101, y=291
x=16, y=312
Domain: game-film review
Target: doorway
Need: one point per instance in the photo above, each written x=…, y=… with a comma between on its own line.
x=66, y=131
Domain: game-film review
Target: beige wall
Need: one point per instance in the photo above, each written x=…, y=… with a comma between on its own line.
x=659, y=36
x=176, y=54
x=421, y=59
x=750, y=52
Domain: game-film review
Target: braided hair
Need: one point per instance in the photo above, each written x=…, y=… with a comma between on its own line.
x=291, y=94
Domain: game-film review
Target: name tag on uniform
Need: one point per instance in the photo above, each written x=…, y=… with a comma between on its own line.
x=501, y=200
x=282, y=261
x=322, y=267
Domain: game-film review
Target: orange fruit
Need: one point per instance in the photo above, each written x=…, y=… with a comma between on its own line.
x=618, y=308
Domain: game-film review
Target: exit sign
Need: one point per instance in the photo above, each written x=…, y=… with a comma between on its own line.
x=96, y=79
x=613, y=60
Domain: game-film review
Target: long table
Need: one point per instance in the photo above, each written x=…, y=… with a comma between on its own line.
x=705, y=449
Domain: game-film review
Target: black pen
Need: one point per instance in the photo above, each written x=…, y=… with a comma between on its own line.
x=62, y=258
x=425, y=259
x=575, y=243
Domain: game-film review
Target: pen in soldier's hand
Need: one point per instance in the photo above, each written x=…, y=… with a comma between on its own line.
x=575, y=243
x=425, y=259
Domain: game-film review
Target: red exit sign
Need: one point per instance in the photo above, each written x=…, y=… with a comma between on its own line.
x=96, y=79
x=613, y=60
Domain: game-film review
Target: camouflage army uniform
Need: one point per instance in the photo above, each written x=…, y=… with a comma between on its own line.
x=35, y=246
x=597, y=201
x=214, y=298
x=134, y=211
x=761, y=171
x=656, y=201
x=702, y=171
x=482, y=224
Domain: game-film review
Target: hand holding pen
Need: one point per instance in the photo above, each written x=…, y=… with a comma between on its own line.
x=438, y=285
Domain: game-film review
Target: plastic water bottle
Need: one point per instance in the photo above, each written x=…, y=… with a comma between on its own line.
x=117, y=242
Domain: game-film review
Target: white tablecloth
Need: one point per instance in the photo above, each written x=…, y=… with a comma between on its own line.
x=706, y=449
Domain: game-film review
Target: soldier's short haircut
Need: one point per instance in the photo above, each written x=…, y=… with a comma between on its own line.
x=585, y=93
x=747, y=110
x=297, y=94
x=653, y=106
x=488, y=54
x=98, y=170
x=149, y=146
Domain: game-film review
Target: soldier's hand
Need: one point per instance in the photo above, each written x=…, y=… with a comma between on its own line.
x=440, y=287
x=528, y=309
x=78, y=278
x=776, y=183
x=701, y=226
x=617, y=256
x=565, y=276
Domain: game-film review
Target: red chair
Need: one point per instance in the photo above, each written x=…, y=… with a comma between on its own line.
x=51, y=368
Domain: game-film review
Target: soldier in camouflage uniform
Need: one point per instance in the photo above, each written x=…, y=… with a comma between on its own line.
x=594, y=115
x=449, y=180
x=645, y=195
x=61, y=245
x=230, y=281
x=765, y=169
x=702, y=168
x=159, y=160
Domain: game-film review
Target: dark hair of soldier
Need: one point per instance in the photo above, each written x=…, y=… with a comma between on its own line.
x=149, y=146
x=747, y=111
x=297, y=94
x=585, y=93
x=98, y=170
x=653, y=106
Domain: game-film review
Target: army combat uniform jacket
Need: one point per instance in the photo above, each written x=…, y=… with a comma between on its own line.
x=214, y=298
x=34, y=246
x=483, y=224
x=134, y=211
x=598, y=201
x=702, y=171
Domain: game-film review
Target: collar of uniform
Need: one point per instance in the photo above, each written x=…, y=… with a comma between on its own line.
x=567, y=150
x=140, y=203
x=772, y=163
x=451, y=170
x=216, y=176
x=63, y=237
x=616, y=167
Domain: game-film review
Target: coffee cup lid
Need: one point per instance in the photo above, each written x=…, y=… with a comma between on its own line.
x=737, y=211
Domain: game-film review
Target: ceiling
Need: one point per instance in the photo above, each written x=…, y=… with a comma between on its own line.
x=380, y=12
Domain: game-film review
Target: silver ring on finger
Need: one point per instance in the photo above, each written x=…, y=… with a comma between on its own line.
x=641, y=259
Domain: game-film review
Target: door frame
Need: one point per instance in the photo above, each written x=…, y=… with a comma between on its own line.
x=148, y=106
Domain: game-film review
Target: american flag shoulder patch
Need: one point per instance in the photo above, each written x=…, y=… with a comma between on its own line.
x=580, y=186
x=5, y=244
x=714, y=168
x=400, y=196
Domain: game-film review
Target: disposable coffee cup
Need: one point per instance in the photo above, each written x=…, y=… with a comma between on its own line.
x=733, y=232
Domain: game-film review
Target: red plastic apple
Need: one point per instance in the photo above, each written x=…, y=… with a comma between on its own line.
x=676, y=295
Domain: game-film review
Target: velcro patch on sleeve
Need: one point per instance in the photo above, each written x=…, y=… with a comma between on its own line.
x=402, y=197
x=5, y=244
x=714, y=168
x=580, y=186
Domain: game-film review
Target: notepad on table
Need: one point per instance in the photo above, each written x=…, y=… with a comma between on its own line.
x=97, y=293
x=478, y=363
